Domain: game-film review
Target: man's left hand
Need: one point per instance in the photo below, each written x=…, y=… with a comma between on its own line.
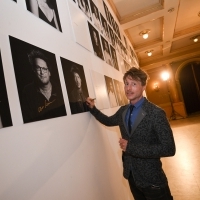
x=123, y=144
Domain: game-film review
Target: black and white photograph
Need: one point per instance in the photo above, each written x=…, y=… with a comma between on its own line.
x=119, y=92
x=114, y=58
x=95, y=15
x=112, y=37
x=84, y=6
x=106, y=11
x=5, y=115
x=95, y=41
x=104, y=27
x=106, y=51
x=38, y=82
x=45, y=10
x=111, y=91
x=76, y=86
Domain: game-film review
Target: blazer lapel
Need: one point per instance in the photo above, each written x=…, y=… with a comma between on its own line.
x=139, y=118
x=124, y=117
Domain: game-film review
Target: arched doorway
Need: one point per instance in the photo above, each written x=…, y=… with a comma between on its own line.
x=189, y=80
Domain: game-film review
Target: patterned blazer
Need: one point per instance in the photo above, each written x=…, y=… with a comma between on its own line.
x=150, y=139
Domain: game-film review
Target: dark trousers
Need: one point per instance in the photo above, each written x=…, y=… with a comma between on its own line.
x=149, y=193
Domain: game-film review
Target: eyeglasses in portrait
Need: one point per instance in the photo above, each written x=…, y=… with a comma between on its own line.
x=5, y=116
x=45, y=10
x=76, y=86
x=38, y=82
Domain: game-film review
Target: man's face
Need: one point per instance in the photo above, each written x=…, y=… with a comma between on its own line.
x=133, y=89
x=41, y=71
x=77, y=80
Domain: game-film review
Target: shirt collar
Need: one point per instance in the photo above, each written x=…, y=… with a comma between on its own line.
x=139, y=103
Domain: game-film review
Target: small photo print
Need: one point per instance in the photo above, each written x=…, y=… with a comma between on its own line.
x=106, y=51
x=111, y=91
x=38, y=82
x=84, y=6
x=76, y=86
x=5, y=116
x=95, y=41
x=114, y=58
x=45, y=10
x=104, y=29
x=119, y=92
x=95, y=15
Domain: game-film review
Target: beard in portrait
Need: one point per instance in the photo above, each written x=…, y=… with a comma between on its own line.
x=42, y=98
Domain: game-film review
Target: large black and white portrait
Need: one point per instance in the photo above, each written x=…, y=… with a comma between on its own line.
x=114, y=58
x=5, y=116
x=76, y=86
x=45, y=10
x=106, y=51
x=84, y=6
x=111, y=91
x=38, y=82
x=95, y=15
x=95, y=41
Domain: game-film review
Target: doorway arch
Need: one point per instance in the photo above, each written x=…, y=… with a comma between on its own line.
x=187, y=78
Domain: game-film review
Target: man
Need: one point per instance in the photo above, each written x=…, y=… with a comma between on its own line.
x=146, y=137
x=42, y=99
x=77, y=97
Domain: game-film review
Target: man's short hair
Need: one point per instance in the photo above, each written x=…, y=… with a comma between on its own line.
x=35, y=53
x=137, y=74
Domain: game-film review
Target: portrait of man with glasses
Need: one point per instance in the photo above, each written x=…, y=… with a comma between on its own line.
x=38, y=82
x=41, y=98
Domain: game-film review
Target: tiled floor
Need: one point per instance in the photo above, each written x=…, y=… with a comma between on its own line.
x=183, y=170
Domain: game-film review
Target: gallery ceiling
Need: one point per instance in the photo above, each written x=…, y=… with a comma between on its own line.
x=171, y=25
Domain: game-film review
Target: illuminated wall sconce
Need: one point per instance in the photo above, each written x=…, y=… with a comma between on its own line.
x=149, y=53
x=195, y=38
x=145, y=33
x=156, y=87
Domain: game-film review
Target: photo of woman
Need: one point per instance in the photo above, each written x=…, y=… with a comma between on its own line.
x=45, y=10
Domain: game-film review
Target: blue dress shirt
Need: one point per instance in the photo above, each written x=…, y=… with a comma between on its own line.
x=134, y=113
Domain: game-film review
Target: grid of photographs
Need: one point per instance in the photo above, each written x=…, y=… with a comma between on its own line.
x=36, y=72
x=106, y=38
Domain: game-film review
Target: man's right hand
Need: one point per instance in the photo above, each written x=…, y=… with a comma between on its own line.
x=90, y=102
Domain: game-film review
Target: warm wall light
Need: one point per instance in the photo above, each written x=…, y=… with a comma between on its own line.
x=156, y=87
x=149, y=53
x=195, y=38
x=165, y=76
x=145, y=33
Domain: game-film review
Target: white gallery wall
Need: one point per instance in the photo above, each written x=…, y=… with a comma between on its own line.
x=72, y=157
